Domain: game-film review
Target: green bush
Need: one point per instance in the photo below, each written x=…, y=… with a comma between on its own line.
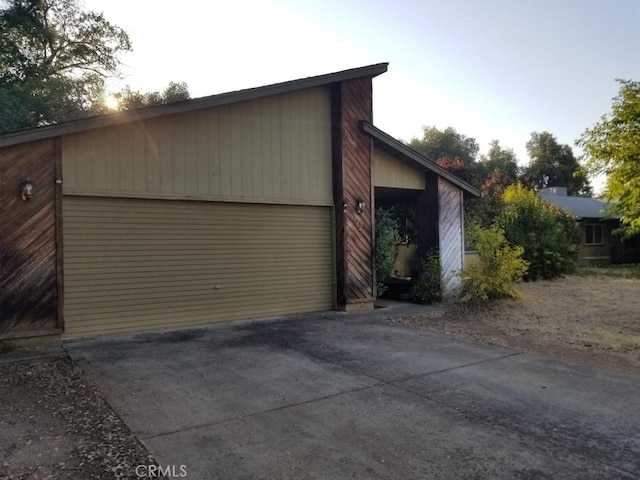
x=386, y=233
x=548, y=235
x=500, y=266
x=428, y=287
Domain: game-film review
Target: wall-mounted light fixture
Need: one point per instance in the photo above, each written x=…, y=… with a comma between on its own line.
x=344, y=206
x=360, y=204
x=26, y=190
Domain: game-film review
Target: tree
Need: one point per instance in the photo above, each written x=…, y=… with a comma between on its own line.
x=54, y=59
x=436, y=144
x=464, y=171
x=498, y=158
x=549, y=236
x=130, y=100
x=554, y=165
x=612, y=147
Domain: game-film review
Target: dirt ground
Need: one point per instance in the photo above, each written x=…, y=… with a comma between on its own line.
x=55, y=425
x=590, y=319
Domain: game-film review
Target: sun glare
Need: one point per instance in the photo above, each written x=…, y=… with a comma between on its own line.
x=111, y=102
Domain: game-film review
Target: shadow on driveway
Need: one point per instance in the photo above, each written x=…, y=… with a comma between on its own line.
x=340, y=395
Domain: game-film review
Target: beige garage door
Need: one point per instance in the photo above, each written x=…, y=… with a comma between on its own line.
x=134, y=264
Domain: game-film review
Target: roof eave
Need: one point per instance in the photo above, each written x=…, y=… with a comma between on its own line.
x=118, y=118
x=415, y=158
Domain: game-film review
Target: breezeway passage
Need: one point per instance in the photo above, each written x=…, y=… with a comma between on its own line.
x=351, y=396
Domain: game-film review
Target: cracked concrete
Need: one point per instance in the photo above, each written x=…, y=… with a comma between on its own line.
x=349, y=395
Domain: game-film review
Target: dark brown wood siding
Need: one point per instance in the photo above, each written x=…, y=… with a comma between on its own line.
x=352, y=160
x=427, y=216
x=28, y=240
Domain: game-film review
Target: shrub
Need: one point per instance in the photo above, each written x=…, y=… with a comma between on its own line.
x=500, y=265
x=428, y=287
x=386, y=233
x=548, y=235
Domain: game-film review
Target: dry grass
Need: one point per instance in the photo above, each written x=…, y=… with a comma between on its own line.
x=592, y=319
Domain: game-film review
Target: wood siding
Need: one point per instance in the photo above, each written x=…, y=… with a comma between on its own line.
x=134, y=264
x=451, y=235
x=391, y=172
x=352, y=162
x=28, y=241
x=275, y=149
x=599, y=254
x=427, y=217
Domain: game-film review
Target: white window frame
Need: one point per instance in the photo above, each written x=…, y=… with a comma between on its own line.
x=592, y=240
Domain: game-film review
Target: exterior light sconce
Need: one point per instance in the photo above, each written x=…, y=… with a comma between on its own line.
x=26, y=190
x=344, y=206
x=360, y=204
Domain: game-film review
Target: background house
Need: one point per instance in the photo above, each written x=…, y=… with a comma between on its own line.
x=241, y=205
x=599, y=245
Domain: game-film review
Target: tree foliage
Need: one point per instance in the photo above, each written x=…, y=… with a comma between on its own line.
x=130, y=100
x=54, y=58
x=54, y=61
x=499, y=159
x=500, y=265
x=436, y=144
x=548, y=235
x=386, y=234
x=554, y=165
x=612, y=147
x=464, y=171
x=428, y=287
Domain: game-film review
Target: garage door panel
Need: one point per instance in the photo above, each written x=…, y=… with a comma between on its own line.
x=135, y=264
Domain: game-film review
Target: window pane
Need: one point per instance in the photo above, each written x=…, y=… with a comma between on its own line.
x=597, y=234
x=589, y=234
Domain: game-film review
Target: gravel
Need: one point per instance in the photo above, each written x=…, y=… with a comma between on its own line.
x=56, y=425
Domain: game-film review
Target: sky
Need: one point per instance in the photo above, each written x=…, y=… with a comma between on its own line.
x=492, y=69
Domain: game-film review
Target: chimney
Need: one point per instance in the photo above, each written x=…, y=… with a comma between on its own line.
x=555, y=191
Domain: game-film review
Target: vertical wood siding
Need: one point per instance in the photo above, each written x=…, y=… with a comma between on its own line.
x=451, y=235
x=275, y=149
x=352, y=162
x=28, y=275
x=391, y=172
x=136, y=264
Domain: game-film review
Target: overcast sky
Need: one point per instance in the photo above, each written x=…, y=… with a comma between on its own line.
x=492, y=69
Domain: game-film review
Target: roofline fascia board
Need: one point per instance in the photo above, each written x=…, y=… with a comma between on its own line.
x=146, y=113
x=415, y=157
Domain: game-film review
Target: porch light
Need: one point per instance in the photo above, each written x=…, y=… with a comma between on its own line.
x=360, y=204
x=344, y=205
x=26, y=189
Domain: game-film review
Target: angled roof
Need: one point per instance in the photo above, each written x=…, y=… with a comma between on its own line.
x=116, y=118
x=581, y=207
x=408, y=155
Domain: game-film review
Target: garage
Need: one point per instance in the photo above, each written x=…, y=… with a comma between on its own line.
x=138, y=264
x=247, y=204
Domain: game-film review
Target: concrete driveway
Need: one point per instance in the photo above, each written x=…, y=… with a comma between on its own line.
x=339, y=395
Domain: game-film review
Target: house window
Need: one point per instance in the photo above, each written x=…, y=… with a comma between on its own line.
x=593, y=234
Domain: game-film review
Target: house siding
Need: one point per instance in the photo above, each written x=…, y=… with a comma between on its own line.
x=589, y=254
x=352, y=164
x=451, y=235
x=270, y=150
x=393, y=173
x=29, y=269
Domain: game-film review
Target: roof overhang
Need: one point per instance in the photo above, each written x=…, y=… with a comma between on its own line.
x=386, y=142
x=117, y=118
